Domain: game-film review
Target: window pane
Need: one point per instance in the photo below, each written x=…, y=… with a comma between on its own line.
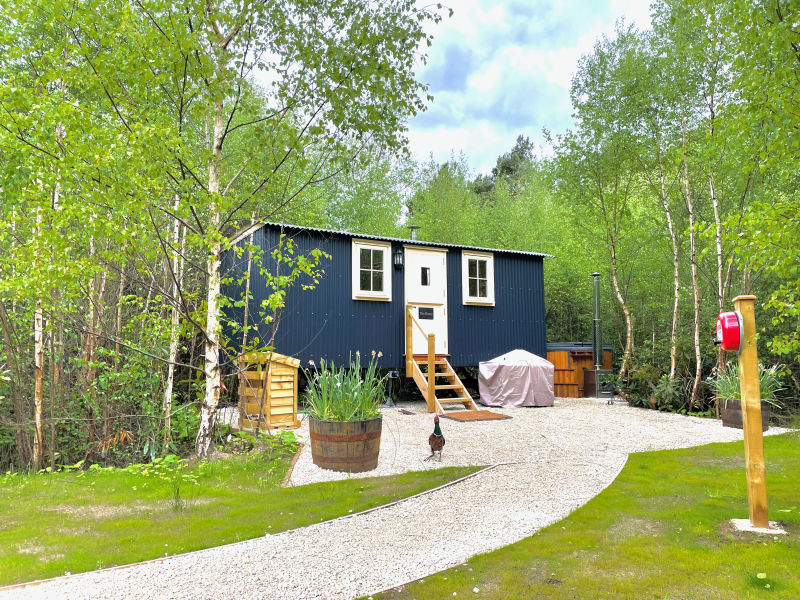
x=377, y=281
x=482, y=269
x=365, y=278
x=426, y=276
x=364, y=258
x=377, y=260
x=482, y=288
x=473, y=288
x=472, y=271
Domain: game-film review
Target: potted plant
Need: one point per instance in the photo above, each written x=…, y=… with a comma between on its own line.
x=728, y=392
x=344, y=415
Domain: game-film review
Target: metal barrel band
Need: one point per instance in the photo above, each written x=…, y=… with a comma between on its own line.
x=334, y=437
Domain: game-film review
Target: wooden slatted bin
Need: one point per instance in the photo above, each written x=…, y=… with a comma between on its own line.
x=277, y=407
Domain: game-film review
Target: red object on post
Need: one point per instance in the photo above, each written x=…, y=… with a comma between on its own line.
x=729, y=331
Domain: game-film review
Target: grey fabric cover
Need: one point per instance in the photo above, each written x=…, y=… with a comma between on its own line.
x=518, y=378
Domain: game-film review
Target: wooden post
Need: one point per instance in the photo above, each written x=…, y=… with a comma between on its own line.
x=409, y=343
x=431, y=373
x=751, y=415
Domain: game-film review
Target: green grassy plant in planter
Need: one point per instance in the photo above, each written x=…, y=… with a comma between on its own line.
x=345, y=421
x=728, y=391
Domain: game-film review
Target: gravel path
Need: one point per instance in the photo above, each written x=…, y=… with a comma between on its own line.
x=564, y=456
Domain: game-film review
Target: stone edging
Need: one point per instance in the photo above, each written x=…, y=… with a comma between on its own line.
x=288, y=475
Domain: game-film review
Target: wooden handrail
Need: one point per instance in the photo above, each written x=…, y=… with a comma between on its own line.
x=431, y=373
x=409, y=343
x=410, y=314
x=431, y=391
x=409, y=334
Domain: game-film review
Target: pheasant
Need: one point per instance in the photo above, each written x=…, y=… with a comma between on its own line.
x=436, y=440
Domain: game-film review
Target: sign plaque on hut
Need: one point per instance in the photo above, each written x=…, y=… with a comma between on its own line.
x=426, y=313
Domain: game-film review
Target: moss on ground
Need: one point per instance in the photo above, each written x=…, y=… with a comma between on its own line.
x=660, y=531
x=74, y=522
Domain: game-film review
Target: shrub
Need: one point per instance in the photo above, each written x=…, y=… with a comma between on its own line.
x=726, y=383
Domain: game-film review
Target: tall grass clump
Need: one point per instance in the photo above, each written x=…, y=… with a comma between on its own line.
x=726, y=383
x=341, y=394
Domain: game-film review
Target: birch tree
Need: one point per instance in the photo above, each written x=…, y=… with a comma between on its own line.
x=652, y=105
x=596, y=164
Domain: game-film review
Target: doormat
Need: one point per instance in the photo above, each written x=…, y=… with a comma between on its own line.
x=475, y=415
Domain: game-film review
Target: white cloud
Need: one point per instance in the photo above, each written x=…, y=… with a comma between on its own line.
x=501, y=68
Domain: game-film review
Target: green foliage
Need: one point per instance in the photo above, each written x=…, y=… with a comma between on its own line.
x=511, y=165
x=342, y=395
x=369, y=197
x=642, y=384
x=668, y=394
x=136, y=138
x=174, y=479
x=726, y=384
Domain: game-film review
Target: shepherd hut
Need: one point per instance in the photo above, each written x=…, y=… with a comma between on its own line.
x=420, y=304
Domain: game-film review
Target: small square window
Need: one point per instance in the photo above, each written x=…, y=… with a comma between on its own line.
x=478, y=278
x=371, y=270
x=370, y=281
x=426, y=276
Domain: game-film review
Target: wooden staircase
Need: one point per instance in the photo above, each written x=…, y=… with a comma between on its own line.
x=435, y=367
x=441, y=370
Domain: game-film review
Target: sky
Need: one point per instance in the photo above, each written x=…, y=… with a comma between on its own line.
x=501, y=68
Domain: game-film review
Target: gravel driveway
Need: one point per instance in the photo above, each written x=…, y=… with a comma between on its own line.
x=563, y=456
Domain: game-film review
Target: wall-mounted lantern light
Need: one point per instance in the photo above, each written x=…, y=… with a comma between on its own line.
x=398, y=259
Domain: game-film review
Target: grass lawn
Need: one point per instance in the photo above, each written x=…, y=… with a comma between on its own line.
x=73, y=522
x=660, y=531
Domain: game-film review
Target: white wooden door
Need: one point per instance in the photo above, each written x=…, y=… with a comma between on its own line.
x=426, y=290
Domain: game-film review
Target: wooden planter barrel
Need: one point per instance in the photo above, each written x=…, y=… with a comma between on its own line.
x=732, y=414
x=349, y=446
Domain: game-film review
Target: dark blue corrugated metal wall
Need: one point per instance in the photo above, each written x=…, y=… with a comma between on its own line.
x=327, y=323
x=516, y=321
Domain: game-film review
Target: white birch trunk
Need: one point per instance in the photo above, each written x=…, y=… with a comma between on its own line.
x=38, y=359
x=212, y=369
x=695, y=284
x=53, y=357
x=675, y=270
x=626, y=311
x=38, y=394
x=720, y=268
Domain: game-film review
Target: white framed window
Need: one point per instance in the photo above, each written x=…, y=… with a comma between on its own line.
x=372, y=275
x=477, y=278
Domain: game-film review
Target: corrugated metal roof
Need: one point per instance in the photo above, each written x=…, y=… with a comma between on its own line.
x=246, y=231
